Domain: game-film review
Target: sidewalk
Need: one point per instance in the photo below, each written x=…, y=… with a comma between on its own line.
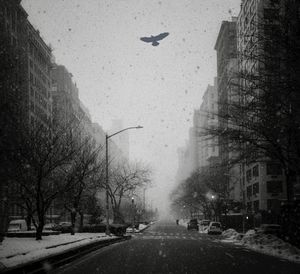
x=18, y=254
x=263, y=243
x=267, y=244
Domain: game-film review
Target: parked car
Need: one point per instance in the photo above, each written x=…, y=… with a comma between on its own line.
x=214, y=228
x=94, y=228
x=50, y=226
x=193, y=224
x=274, y=229
x=17, y=226
x=63, y=227
x=205, y=222
x=203, y=225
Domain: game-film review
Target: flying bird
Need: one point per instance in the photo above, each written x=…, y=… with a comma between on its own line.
x=153, y=39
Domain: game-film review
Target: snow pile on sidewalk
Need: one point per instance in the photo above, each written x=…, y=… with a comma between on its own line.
x=232, y=235
x=183, y=222
x=132, y=230
x=264, y=243
x=203, y=230
x=15, y=251
x=142, y=227
x=270, y=244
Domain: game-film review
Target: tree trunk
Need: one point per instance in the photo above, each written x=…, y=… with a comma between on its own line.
x=28, y=221
x=39, y=229
x=81, y=221
x=118, y=217
x=4, y=219
x=73, y=221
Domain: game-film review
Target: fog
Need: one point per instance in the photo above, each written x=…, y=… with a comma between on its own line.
x=121, y=77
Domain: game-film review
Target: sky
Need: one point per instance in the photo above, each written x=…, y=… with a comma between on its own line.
x=121, y=77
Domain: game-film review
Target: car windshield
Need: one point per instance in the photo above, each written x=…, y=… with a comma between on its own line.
x=163, y=132
x=205, y=222
x=14, y=226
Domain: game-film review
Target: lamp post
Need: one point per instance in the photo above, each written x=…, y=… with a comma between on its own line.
x=106, y=173
x=213, y=197
x=133, y=209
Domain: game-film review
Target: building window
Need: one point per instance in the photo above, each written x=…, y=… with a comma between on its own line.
x=273, y=204
x=249, y=191
x=248, y=175
x=249, y=207
x=256, y=206
x=255, y=171
x=32, y=121
x=255, y=188
x=274, y=169
x=31, y=78
x=31, y=49
x=31, y=106
x=274, y=187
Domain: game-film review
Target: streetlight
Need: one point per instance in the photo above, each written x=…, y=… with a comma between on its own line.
x=106, y=171
x=133, y=209
x=213, y=198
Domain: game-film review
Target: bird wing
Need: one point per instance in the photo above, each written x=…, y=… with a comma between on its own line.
x=161, y=36
x=147, y=39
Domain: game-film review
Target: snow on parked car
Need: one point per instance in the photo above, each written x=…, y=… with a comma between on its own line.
x=214, y=228
x=17, y=226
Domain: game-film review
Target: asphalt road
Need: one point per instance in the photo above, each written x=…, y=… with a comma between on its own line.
x=168, y=248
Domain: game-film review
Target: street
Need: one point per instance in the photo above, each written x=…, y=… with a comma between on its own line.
x=169, y=248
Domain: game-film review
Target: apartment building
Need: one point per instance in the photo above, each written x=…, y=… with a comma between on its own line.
x=26, y=98
x=208, y=117
x=264, y=183
x=27, y=67
x=39, y=79
x=66, y=104
x=12, y=89
x=226, y=49
x=186, y=163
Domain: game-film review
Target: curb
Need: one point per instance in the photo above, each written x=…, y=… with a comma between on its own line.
x=51, y=262
x=141, y=230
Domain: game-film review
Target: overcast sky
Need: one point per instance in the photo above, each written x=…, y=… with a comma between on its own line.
x=121, y=77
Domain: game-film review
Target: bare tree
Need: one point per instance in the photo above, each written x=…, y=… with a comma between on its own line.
x=84, y=175
x=203, y=191
x=125, y=179
x=42, y=157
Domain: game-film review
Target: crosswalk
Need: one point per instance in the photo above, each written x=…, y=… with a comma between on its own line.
x=150, y=235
